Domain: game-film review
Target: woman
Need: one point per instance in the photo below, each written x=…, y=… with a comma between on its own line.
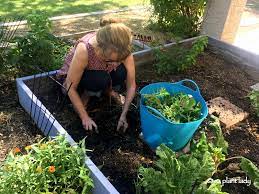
x=99, y=61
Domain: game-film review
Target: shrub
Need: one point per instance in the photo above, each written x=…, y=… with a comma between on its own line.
x=39, y=48
x=182, y=18
x=178, y=58
x=48, y=166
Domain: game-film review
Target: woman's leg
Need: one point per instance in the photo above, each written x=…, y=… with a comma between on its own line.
x=94, y=81
x=118, y=78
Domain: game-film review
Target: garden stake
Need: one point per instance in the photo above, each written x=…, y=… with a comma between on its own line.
x=40, y=105
x=57, y=82
x=49, y=113
x=53, y=79
x=8, y=34
x=2, y=30
x=64, y=98
x=14, y=30
x=36, y=100
x=58, y=110
x=4, y=35
x=47, y=123
x=51, y=126
x=33, y=85
x=43, y=117
x=39, y=114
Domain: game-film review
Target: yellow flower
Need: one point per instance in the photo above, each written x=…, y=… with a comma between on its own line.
x=7, y=167
x=43, y=146
x=39, y=169
x=16, y=150
x=28, y=147
x=52, y=169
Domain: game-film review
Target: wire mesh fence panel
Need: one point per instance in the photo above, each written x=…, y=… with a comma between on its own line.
x=44, y=88
x=8, y=28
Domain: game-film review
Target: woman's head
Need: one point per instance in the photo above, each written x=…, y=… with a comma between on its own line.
x=114, y=38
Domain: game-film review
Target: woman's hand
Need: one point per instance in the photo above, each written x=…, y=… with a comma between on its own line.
x=122, y=123
x=131, y=89
x=89, y=124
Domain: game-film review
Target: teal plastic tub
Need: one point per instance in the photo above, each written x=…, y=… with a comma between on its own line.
x=157, y=129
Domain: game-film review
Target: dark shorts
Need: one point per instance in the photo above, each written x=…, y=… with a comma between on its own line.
x=98, y=80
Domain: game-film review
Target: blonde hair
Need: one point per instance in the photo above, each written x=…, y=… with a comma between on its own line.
x=105, y=20
x=114, y=37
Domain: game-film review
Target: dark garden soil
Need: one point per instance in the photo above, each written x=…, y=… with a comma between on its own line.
x=119, y=155
x=16, y=129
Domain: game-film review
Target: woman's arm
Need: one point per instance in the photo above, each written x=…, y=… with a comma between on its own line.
x=131, y=89
x=76, y=69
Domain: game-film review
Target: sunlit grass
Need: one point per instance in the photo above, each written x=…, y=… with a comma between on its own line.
x=62, y=7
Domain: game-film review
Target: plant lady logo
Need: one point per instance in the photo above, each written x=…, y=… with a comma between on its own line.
x=236, y=180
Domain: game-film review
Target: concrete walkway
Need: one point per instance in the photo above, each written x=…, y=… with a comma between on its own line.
x=248, y=33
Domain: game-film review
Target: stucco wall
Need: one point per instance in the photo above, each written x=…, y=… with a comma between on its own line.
x=222, y=18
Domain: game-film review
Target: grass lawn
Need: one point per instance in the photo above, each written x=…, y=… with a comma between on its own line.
x=62, y=7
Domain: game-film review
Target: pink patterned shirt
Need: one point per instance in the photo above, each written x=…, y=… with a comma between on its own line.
x=94, y=62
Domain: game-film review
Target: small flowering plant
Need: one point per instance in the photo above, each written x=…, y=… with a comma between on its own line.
x=51, y=166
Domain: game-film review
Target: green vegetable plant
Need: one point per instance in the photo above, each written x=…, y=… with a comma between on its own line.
x=51, y=166
x=178, y=108
x=182, y=174
x=215, y=187
x=254, y=100
x=251, y=170
x=175, y=173
x=214, y=125
x=178, y=58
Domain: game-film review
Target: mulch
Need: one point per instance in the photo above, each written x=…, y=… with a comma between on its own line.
x=16, y=129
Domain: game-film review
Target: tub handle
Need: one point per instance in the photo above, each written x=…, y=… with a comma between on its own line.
x=157, y=113
x=191, y=81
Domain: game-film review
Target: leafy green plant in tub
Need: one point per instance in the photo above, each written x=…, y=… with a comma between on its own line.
x=178, y=108
x=47, y=167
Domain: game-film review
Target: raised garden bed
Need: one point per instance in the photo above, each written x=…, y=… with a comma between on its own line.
x=32, y=103
x=119, y=155
x=44, y=120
